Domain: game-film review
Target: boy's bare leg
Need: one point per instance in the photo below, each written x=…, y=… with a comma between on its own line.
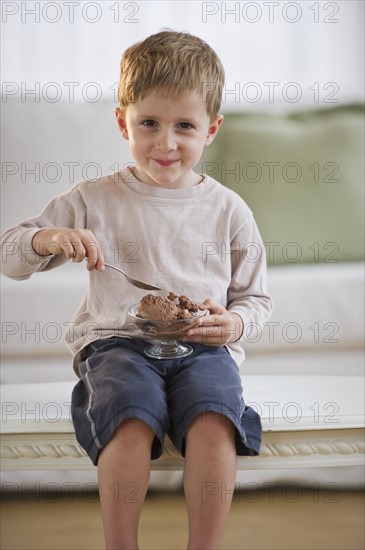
x=209, y=478
x=124, y=473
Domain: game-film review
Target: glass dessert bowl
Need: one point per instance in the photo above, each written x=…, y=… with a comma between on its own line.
x=167, y=332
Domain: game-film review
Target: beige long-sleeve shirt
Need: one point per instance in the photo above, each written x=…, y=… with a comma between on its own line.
x=200, y=241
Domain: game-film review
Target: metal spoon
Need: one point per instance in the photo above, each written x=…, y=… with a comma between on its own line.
x=134, y=282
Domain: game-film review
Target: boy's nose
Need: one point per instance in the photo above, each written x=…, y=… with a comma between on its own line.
x=165, y=142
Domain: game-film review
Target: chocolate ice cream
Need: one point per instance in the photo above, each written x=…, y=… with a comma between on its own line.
x=166, y=308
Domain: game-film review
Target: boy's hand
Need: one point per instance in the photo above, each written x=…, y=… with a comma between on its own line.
x=76, y=244
x=218, y=328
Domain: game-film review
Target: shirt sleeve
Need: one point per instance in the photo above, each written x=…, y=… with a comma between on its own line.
x=247, y=293
x=19, y=260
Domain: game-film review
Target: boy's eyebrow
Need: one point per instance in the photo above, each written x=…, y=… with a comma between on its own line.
x=187, y=118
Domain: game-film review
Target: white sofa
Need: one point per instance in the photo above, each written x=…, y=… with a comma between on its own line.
x=304, y=373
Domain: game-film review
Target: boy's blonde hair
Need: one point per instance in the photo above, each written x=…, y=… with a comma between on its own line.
x=173, y=63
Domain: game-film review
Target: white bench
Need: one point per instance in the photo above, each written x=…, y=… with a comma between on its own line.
x=308, y=421
x=309, y=392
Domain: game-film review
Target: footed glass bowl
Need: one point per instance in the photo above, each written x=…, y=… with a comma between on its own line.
x=167, y=332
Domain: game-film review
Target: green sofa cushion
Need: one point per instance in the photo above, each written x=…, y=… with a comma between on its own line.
x=303, y=177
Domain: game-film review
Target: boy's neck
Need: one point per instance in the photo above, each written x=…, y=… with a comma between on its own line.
x=195, y=181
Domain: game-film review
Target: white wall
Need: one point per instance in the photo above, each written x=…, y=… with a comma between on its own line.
x=258, y=41
x=60, y=65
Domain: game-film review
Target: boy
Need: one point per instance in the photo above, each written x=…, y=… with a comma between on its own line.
x=185, y=232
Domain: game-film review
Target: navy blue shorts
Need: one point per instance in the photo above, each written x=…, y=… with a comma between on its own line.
x=118, y=382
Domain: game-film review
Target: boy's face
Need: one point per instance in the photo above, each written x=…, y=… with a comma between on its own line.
x=167, y=137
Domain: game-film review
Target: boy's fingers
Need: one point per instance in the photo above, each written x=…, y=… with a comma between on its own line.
x=205, y=330
x=209, y=335
x=210, y=320
x=100, y=266
x=213, y=307
x=95, y=257
x=73, y=248
x=69, y=250
x=79, y=252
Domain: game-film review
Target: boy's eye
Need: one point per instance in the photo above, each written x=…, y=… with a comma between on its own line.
x=149, y=123
x=185, y=125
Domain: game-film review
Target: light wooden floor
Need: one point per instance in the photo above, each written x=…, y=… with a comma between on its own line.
x=282, y=518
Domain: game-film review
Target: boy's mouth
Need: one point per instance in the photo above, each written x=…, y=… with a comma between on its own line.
x=162, y=162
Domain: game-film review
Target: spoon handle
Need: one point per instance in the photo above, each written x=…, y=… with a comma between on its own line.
x=134, y=282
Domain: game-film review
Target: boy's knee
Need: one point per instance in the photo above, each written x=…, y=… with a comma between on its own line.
x=211, y=426
x=134, y=430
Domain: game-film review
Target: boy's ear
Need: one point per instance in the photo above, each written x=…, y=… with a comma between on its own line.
x=121, y=123
x=213, y=128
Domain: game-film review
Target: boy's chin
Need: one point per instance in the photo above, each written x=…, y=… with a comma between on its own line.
x=169, y=182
